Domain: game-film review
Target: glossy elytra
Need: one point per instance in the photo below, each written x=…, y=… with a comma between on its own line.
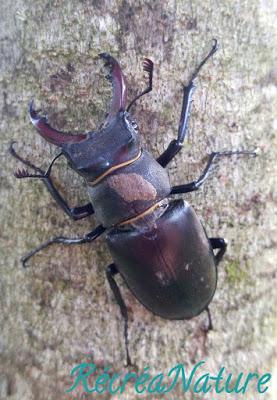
x=158, y=245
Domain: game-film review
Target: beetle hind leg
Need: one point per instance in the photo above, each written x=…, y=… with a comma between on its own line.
x=210, y=324
x=111, y=271
x=90, y=237
x=221, y=245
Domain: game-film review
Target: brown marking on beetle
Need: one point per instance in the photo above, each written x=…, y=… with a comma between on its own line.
x=132, y=187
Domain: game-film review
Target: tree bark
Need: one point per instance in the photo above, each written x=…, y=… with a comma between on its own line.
x=60, y=311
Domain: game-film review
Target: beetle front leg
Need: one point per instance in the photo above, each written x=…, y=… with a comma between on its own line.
x=90, y=237
x=74, y=212
x=111, y=271
x=195, y=185
x=176, y=144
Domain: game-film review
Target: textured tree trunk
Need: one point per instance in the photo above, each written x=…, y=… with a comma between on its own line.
x=60, y=311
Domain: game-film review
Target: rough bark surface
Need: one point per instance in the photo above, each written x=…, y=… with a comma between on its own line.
x=60, y=311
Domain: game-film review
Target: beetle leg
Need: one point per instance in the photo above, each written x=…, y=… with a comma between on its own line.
x=74, y=212
x=90, y=237
x=204, y=330
x=148, y=66
x=176, y=144
x=210, y=324
x=111, y=271
x=195, y=185
x=221, y=244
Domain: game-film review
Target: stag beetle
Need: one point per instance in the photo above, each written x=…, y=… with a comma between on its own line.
x=158, y=246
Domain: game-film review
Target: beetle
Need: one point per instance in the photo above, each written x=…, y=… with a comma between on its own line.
x=158, y=246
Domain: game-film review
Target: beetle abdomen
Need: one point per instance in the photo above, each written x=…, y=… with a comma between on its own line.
x=129, y=191
x=170, y=266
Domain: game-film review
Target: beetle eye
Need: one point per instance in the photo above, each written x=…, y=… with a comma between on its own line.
x=131, y=122
x=134, y=125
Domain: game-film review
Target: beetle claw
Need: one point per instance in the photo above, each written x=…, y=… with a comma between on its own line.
x=105, y=56
x=109, y=60
x=11, y=149
x=23, y=262
x=215, y=45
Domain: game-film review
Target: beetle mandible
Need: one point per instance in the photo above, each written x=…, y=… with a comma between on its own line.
x=158, y=246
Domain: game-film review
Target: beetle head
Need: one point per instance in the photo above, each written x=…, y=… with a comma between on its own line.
x=116, y=143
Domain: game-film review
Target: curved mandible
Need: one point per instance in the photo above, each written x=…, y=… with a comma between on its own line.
x=116, y=76
x=50, y=134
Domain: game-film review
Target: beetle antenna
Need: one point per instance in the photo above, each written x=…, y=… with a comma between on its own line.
x=148, y=66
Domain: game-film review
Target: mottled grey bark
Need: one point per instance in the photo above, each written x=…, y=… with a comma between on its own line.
x=60, y=311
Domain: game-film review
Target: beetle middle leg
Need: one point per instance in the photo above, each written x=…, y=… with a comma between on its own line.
x=221, y=245
x=111, y=271
x=73, y=212
x=176, y=144
x=90, y=237
x=195, y=185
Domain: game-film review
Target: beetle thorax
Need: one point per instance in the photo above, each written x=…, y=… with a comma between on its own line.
x=129, y=191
